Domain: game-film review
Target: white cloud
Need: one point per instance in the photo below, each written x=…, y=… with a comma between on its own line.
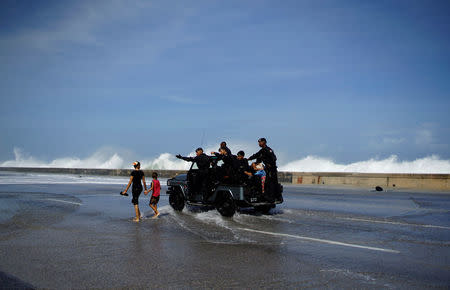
x=393, y=141
x=181, y=100
x=93, y=23
x=424, y=137
x=295, y=73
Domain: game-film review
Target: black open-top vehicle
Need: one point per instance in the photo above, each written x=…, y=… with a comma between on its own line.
x=225, y=197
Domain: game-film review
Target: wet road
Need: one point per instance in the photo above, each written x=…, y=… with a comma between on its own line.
x=81, y=235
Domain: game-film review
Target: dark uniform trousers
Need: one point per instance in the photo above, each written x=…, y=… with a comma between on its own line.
x=267, y=156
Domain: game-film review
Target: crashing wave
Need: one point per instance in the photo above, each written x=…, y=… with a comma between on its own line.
x=106, y=159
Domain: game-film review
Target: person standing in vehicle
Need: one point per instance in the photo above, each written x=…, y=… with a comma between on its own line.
x=227, y=167
x=240, y=166
x=203, y=162
x=137, y=175
x=268, y=157
x=223, y=145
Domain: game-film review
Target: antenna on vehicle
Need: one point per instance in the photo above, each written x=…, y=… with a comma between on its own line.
x=203, y=138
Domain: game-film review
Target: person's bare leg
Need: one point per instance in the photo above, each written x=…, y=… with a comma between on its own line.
x=155, y=209
x=138, y=213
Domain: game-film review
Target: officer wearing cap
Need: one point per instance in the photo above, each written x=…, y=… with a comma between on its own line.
x=266, y=155
x=203, y=161
x=226, y=170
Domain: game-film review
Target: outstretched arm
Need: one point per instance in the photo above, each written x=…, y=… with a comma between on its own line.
x=255, y=156
x=216, y=156
x=185, y=158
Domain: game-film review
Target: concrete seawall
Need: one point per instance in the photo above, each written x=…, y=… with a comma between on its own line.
x=438, y=182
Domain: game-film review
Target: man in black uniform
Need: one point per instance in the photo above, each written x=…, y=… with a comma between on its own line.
x=226, y=170
x=267, y=156
x=203, y=161
x=223, y=145
x=241, y=166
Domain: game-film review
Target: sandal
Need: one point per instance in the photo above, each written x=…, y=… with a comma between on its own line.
x=124, y=194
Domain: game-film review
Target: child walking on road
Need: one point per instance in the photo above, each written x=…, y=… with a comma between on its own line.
x=137, y=175
x=156, y=187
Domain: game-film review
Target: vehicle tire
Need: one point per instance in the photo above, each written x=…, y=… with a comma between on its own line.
x=225, y=205
x=176, y=200
x=264, y=209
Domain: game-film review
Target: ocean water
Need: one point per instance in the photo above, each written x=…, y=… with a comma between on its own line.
x=65, y=231
x=111, y=160
x=43, y=178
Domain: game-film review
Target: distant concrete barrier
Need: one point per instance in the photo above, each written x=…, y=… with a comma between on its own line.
x=89, y=171
x=439, y=182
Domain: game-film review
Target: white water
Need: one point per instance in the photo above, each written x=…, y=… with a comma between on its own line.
x=100, y=159
x=392, y=164
x=112, y=160
x=47, y=178
x=42, y=178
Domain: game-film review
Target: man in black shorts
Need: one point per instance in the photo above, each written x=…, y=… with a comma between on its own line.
x=137, y=175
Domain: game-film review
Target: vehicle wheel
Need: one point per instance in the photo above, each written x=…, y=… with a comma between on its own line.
x=176, y=200
x=225, y=205
x=264, y=209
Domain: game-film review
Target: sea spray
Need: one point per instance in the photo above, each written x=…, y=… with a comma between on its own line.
x=107, y=159
x=392, y=164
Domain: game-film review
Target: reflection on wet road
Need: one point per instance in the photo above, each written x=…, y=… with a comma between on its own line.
x=81, y=235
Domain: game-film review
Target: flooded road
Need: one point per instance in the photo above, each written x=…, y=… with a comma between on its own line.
x=79, y=235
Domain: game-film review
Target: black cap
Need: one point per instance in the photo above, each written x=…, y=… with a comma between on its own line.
x=241, y=153
x=198, y=149
x=262, y=140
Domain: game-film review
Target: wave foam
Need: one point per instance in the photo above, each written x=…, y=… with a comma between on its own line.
x=430, y=164
x=107, y=159
x=101, y=159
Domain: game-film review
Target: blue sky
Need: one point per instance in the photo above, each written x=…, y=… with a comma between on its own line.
x=347, y=80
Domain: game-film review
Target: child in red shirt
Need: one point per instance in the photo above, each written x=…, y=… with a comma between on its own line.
x=156, y=187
